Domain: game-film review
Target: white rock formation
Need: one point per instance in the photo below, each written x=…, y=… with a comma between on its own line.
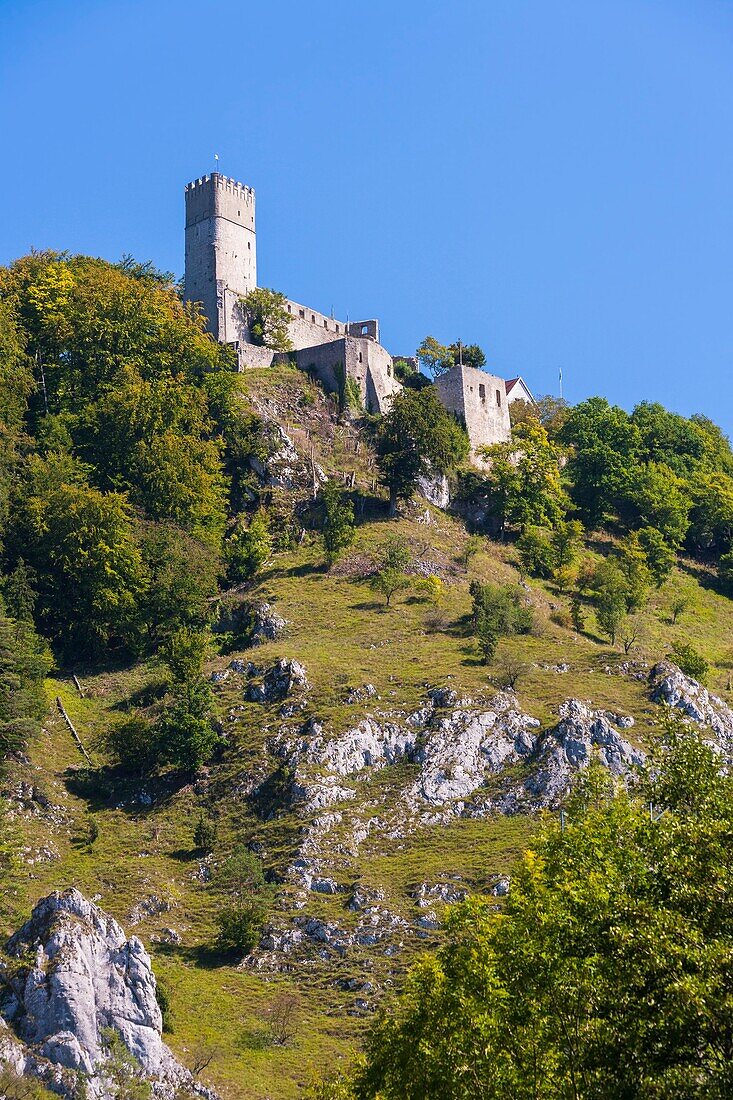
x=671, y=686
x=85, y=977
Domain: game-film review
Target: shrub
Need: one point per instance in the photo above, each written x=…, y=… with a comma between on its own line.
x=248, y=548
x=498, y=611
x=689, y=661
x=245, y=901
x=204, y=835
x=535, y=552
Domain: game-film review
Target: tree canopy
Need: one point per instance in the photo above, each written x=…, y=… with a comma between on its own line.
x=417, y=438
x=607, y=971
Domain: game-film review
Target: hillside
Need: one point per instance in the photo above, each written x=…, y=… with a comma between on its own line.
x=368, y=755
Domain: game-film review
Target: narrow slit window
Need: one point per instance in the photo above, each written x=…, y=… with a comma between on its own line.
x=498, y=398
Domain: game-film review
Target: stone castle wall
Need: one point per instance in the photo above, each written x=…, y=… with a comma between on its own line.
x=221, y=249
x=479, y=400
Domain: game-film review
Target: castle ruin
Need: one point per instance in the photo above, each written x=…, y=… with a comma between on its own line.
x=221, y=268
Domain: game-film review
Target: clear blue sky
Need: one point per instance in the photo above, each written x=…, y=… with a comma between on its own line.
x=549, y=179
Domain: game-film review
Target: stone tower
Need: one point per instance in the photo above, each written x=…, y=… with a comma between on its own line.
x=221, y=249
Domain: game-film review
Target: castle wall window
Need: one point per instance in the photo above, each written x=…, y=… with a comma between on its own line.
x=302, y=313
x=498, y=398
x=360, y=357
x=338, y=329
x=325, y=323
x=313, y=318
x=365, y=330
x=482, y=393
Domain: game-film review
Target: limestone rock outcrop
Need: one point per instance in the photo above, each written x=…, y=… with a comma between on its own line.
x=83, y=976
x=671, y=686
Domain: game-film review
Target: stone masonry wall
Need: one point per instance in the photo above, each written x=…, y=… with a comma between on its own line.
x=479, y=399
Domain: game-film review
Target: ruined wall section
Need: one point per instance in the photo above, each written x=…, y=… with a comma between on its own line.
x=358, y=358
x=479, y=400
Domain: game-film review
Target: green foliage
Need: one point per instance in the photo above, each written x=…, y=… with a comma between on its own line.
x=472, y=547
x=351, y=394
x=81, y=545
x=21, y=1088
x=184, y=652
x=180, y=576
x=523, y=483
x=655, y=497
x=690, y=661
x=390, y=576
x=204, y=835
x=632, y=561
x=433, y=356
x=604, y=444
x=498, y=611
x=660, y=557
x=535, y=552
x=611, y=597
x=606, y=973
x=338, y=520
x=567, y=542
x=24, y=663
x=153, y=438
x=266, y=316
x=711, y=513
x=417, y=438
x=123, y=1075
x=131, y=744
x=246, y=901
x=436, y=358
x=184, y=734
x=248, y=548
x=243, y=433
x=403, y=369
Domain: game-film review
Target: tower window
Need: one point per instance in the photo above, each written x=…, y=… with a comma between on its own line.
x=498, y=398
x=360, y=359
x=325, y=323
x=338, y=329
x=482, y=393
x=302, y=313
x=313, y=318
x=249, y=244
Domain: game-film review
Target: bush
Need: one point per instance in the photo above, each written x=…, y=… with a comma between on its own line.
x=536, y=555
x=498, y=611
x=248, y=548
x=246, y=901
x=689, y=661
x=204, y=835
x=240, y=924
x=131, y=745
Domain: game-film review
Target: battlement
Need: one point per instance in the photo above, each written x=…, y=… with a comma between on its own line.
x=215, y=179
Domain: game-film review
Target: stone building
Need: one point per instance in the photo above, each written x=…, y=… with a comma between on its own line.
x=221, y=267
x=479, y=400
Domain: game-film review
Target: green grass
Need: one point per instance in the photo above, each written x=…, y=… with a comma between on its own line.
x=345, y=637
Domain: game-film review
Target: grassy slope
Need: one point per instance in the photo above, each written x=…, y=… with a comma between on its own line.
x=345, y=638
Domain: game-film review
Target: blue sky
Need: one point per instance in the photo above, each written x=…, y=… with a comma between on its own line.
x=549, y=179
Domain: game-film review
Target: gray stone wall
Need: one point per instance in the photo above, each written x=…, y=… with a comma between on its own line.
x=362, y=359
x=479, y=399
x=221, y=249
